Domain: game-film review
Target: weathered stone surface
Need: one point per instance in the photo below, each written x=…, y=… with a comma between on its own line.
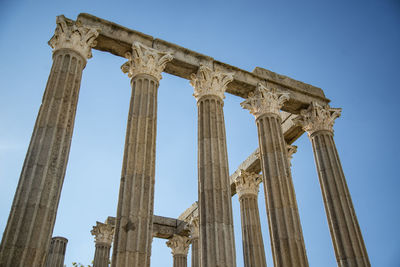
x=288, y=248
x=27, y=236
x=345, y=231
x=217, y=242
x=104, y=234
x=117, y=40
x=253, y=246
x=56, y=255
x=194, y=225
x=134, y=222
x=179, y=248
x=290, y=151
x=165, y=227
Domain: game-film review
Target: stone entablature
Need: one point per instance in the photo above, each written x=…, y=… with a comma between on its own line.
x=74, y=36
x=117, y=40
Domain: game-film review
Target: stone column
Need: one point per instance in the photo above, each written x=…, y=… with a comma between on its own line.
x=217, y=242
x=55, y=257
x=134, y=222
x=179, y=246
x=253, y=245
x=287, y=242
x=27, y=236
x=194, y=239
x=345, y=231
x=103, y=234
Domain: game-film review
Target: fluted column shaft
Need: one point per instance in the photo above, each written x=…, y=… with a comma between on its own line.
x=180, y=261
x=33, y=212
x=194, y=240
x=27, y=236
x=288, y=248
x=179, y=248
x=253, y=246
x=284, y=222
x=103, y=234
x=134, y=221
x=346, y=235
x=215, y=206
x=55, y=257
x=102, y=255
x=247, y=185
x=195, y=253
x=217, y=242
x=133, y=234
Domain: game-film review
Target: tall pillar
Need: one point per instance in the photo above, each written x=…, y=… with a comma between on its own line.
x=194, y=240
x=134, y=222
x=286, y=236
x=103, y=234
x=217, y=242
x=345, y=231
x=56, y=254
x=253, y=245
x=30, y=223
x=179, y=246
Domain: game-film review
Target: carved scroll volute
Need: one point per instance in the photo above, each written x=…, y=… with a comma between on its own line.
x=103, y=233
x=74, y=36
x=145, y=60
x=179, y=244
x=265, y=100
x=210, y=82
x=317, y=118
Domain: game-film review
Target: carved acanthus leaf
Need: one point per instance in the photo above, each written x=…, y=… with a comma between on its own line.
x=209, y=82
x=145, y=60
x=74, y=36
x=317, y=118
x=179, y=244
x=194, y=225
x=265, y=100
x=103, y=233
x=291, y=149
x=247, y=183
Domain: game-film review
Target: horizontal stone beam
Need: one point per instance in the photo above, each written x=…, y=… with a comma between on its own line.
x=163, y=227
x=116, y=39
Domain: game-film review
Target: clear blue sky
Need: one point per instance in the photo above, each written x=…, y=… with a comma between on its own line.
x=351, y=49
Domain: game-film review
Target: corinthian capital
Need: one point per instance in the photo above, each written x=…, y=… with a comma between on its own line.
x=247, y=183
x=291, y=149
x=209, y=82
x=194, y=226
x=317, y=118
x=264, y=100
x=179, y=244
x=145, y=60
x=103, y=233
x=73, y=35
